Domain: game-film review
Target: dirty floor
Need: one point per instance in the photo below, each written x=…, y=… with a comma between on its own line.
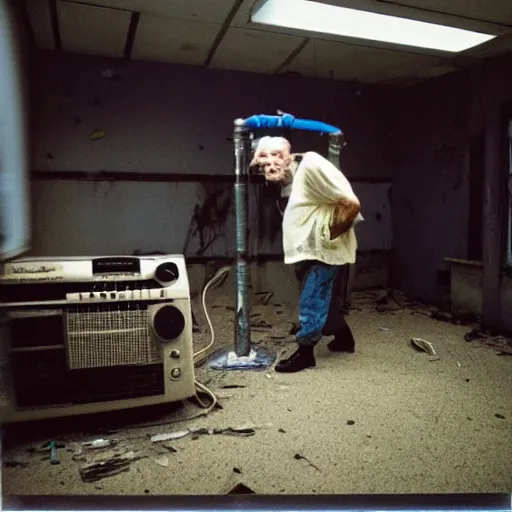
x=387, y=419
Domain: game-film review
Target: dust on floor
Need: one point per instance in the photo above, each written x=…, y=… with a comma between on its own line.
x=387, y=419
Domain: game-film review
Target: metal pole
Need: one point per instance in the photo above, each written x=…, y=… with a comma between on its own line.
x=242, y=327
x=245, y=356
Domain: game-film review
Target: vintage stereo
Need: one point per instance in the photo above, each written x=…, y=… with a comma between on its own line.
x=95, y=334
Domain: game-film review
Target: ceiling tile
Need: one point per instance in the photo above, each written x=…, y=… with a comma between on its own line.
x=492, y=11
x=93, y=30
x=40, y=20
x=169, y=40
x=326, y=59
x=212, y=11
x=252, y=50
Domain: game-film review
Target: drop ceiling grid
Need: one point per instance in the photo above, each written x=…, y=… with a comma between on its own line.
x=93, y=30
x=172, y=40
x=255, y=51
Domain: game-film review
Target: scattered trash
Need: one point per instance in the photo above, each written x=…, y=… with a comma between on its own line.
x=232, y=386
x=500, y=416
x=96, y=135
x=424, y=346
x=434, y=358
x=260, y=324
x=95, y=471
x=15, y=463
x=268, y=376
x=170, y=448
x=95, y=444
x=163, y=461
x=53, y=454
x=46, y=447
x=350, y=422
x=282, y=430
x=467, y=380
x=385, y=329
x=238, y=471
x=473, y=335
x=172, y=435
x=298, y=456
x=232, y=431
x=99, y=443
x=459, y=365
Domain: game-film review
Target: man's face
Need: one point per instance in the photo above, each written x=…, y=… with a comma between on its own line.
x=273, y=160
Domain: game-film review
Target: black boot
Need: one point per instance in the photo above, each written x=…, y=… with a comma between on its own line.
x=343, y=341
x=300, y=360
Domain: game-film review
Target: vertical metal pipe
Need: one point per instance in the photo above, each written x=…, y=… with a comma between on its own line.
x=242, y=328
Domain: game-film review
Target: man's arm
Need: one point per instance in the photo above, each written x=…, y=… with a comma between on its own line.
x=328, y=186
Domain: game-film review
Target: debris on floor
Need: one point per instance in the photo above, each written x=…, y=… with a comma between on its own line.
x=94, y=471
x=163, y=461
x=298, y=456
x=501, y=344
x=424, y=346
x=15, y=463
x=231, y=431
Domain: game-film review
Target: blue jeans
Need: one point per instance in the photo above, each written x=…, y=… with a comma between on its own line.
x=321, y=303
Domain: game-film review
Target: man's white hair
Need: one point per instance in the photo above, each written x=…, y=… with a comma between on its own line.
x=268, y=143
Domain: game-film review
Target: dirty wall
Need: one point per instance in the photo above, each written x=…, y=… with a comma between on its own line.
x=96, y=120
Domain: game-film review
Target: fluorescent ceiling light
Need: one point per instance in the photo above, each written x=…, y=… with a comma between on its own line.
x=342, y=21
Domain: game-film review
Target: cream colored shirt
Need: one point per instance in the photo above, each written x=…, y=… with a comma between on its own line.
x=317, y=187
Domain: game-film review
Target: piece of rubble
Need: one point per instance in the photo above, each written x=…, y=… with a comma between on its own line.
x=424, y=346
x=230, y=431
x=442, y=316
x=94, y=471
x=163, y=461
x=474, y=334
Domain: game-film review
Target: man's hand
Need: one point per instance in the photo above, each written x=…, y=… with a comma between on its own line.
x=343, y=216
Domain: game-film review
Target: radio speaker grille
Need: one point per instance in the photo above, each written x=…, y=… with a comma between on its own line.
x=109, y=337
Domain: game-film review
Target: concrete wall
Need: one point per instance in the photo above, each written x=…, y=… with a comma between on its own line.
x=467, y=288
x=430, y=190
x=177, y=121
x=437, y=192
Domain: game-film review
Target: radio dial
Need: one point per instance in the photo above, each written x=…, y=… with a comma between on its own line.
x=167, y=272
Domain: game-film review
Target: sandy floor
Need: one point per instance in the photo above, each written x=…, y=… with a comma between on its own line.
x=383, y=420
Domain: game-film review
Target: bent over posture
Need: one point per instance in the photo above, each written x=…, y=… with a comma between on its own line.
x=318, y=239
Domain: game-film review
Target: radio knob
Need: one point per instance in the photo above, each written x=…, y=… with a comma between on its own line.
x=167, y=272
x=168, y=323
x=175, y=373
x=175, y=354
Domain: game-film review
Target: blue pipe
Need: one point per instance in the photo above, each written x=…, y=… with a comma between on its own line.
x=289, y=121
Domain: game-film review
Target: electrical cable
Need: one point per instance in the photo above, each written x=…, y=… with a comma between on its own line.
x=196, y=357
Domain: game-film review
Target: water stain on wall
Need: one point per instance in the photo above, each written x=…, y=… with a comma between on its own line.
x=208, y=223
